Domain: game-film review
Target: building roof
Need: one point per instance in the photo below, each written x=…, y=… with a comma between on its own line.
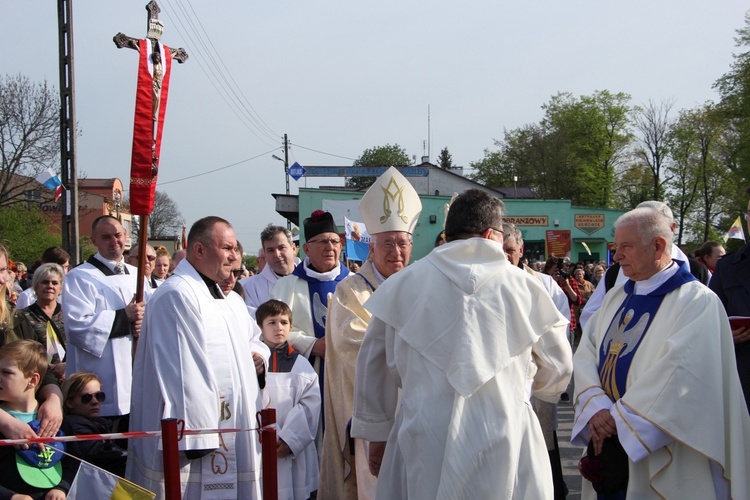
x=516, y=192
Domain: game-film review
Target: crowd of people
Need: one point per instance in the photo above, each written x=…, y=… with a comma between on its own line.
x=439, y=379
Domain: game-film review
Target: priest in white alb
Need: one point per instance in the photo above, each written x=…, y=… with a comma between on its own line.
x=200, y=360
x=658, y=400
x=465, y=337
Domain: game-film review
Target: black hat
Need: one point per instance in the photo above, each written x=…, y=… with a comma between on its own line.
x=319, y=222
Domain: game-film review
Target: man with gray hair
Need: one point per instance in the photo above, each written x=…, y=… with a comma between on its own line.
x=545, y=411
x=344, y=472
x=595, y=301
x=279, y=257
x=459, y=336
x=657, y=353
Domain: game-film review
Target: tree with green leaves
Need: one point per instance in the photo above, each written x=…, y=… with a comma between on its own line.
x=381, y=156
x=576, y=152
x=26, y=232
x=29, y=135
x=445, y=160
x=595, y=134
x=734, y=89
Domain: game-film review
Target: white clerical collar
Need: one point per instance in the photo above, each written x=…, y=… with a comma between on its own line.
x=377, y=274
x=649, y=285
x=327, y=276
x=109, y=263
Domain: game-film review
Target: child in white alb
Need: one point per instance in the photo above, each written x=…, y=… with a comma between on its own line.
x=293, y=390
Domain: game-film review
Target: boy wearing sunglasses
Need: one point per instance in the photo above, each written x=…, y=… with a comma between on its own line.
x=82, y=399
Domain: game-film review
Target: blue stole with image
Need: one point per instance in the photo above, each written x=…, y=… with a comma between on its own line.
x=319, y=293
x=627, y=330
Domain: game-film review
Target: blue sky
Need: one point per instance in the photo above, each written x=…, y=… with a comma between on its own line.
x=341, y=76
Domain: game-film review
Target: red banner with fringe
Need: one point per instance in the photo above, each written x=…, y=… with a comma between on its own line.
x=150, y=108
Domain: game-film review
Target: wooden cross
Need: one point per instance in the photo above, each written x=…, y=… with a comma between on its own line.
x=154, y=32
x=154, y=29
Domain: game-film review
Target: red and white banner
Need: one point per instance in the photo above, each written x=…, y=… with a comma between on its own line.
x=150, y=109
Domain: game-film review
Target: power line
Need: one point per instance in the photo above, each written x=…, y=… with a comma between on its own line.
x=217, y=169
x=323, y=152
x=224, y=89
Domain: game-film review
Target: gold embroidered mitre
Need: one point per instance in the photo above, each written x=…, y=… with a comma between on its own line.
x=391, y=204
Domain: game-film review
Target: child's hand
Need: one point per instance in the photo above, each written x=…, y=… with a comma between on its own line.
x=20, y=496
x=259, y=363
x=282, y=449
x=55, y=494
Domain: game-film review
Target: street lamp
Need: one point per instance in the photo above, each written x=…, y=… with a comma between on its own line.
x=285, y=161
x=515, y=186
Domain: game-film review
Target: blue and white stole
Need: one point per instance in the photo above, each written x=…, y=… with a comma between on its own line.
x=320, y=293
x=628, y=328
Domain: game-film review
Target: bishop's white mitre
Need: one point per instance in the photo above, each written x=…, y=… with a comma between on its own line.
x=391, y=204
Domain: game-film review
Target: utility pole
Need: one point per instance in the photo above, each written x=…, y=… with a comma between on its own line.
x=286, y=174
x=68, y=167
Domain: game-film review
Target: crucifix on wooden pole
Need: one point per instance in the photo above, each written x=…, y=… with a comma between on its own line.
x=155, y=63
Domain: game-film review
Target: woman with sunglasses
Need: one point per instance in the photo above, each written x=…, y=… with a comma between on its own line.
x=83, y=396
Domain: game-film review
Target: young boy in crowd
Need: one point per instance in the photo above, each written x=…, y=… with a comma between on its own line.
x=292, y=388
x=29, y=470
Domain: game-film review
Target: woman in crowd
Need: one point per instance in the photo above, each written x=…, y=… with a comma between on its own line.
x=599, y=272
x=586, y=288
x=10, y=282
x=45, y=315
x=161, y=265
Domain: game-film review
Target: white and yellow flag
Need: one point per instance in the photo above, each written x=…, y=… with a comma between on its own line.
x=735, y=231
x=93, y=482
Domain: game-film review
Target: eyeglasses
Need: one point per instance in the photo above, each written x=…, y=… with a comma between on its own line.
x=86, y=398
x=390, y=246
x=151, y=258
x=497, y=231
x=237, y=272
x=326, y=241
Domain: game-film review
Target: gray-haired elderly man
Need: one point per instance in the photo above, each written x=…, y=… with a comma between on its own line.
x=658, y=400
x=466, y=337
x=346, y=475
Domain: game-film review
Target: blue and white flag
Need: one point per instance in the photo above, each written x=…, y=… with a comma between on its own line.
x=49, y=179
x=357, y=240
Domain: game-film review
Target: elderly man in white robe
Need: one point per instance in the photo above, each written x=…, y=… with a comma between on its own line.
x=466, y=337
x=595, y=301
x=390, y=216
x=279, y=252
x=194, y=363
x=658, y=400
x=101, y=316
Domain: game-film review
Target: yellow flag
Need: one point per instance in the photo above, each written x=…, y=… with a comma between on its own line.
x=735, y=231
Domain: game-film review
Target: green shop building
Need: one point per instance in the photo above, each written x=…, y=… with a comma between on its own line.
x=549, y=227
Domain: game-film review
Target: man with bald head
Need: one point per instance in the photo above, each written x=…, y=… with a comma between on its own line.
x=658, y=400
x=194, y=364
x=101, y=316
